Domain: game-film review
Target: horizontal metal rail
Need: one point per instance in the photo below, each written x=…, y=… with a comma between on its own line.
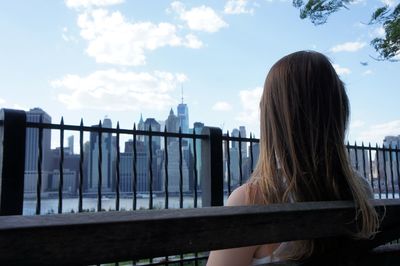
x=112, y=130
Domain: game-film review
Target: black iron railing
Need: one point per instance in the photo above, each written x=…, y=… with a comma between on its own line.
x=216, y=164
x=225, y=161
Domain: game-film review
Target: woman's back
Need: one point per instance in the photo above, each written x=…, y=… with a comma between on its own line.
x=304, y=113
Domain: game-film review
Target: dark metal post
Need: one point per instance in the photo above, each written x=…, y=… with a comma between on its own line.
x=212, y=180
x=12, y=161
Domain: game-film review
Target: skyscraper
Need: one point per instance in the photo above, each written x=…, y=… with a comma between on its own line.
x=140, y=126
x=183, y=115
x=155, y=127
x=108, y=152
x=32, y=151
x=172, y=123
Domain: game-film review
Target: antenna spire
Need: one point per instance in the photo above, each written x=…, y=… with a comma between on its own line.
x=182, y=92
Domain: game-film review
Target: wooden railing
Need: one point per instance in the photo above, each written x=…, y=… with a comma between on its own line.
x=93, y=238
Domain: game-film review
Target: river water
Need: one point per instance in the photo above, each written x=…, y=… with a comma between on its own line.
x=71, y=204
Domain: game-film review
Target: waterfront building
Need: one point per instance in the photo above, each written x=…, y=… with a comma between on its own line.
x=108, y=157
x=183, y=115
x=172, y=123
x=140, y=126
x=70, y=172
x=142, y=168
x=155, y=127
x=70, y=147
x=198, y=128
x=174, y=171
x=36, y=115
x=386, y=162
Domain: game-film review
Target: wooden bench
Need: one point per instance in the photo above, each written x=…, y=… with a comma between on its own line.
x=92, y=238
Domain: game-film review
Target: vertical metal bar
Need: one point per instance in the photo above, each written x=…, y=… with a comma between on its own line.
x=166, y=168
x=150, y=172
x=39, y=168
x=348, y=149
x=180, y=170
x=134, y=162
x=117, y=168
x=228, y=162
x=363, y=158
x=195, y=171
x=166, y=206
x=385, y=171
x=12, y=160
x=378, y=171
x=391, y=168
x=240, y=161
x=150, y=168
x=370, y=167
x=356, y=155
x=398, y=169
x=81, y=158
x=251, y=154
x=99, y=167
x=61, y=167
x=212, y=168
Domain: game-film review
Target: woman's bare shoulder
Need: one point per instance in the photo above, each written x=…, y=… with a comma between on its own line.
x=246, y=194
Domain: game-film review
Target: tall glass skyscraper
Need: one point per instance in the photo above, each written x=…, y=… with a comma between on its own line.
x=32, y=151
x=183, y=115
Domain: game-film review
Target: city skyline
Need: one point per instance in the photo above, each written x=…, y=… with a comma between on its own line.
x=149, y=157
x=241, y=158
x=91, y=59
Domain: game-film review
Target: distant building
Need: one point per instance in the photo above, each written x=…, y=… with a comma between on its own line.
x=174, y=172
x=142, y=169
x=155, y=127
x=32, y=151
x=140, y=126
x=70, y=172
x=386, y=162
x=108, y=157
x=172, y=123
x=183, y=115
x=70, y=144
x=197, y=127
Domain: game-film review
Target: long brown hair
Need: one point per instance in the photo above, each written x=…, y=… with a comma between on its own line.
x=304, y=113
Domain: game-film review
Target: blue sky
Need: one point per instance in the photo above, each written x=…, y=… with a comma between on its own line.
x=116, y=58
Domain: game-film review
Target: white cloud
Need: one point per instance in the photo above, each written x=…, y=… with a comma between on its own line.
x=356, y=2
x=250, y=101
x=112, y=39
x=377, y=133
x=91, y=3
x=237, y=7
x=2, y=101
x=368, y=72
x=390, y=3
x=397, y=56
x=67, y=36
x=378, y=32
x=202, y=18
x=356, y=124
x=19, y=107
x=118, y=91
x=222, y=106
x=192, y=41
x=341, y=70
x=348, y=47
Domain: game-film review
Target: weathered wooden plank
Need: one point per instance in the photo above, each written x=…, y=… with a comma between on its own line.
x=90, y=238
